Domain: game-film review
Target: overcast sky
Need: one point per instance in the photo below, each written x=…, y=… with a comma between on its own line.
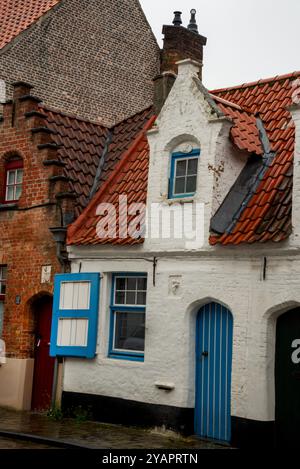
x=247, y=40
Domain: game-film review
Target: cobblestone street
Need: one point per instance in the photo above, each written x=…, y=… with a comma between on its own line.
x=89, y=434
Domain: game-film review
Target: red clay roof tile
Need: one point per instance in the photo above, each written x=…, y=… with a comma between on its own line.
x=127, y=179
x=267, y=215
x=18, y=15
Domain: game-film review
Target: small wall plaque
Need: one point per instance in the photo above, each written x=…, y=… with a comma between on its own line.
x=46, y=274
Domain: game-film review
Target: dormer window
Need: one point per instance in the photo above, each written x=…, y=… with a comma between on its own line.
x=183, y=178
x=13, y=180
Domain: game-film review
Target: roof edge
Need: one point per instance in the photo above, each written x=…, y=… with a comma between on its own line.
x=261, y=81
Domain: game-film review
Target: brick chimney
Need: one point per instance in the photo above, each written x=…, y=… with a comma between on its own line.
x=180, y=43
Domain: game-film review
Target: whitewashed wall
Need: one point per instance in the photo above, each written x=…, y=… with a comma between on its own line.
x=231, y=276
x=170, y=330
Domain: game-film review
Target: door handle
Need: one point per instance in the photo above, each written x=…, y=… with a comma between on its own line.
x=204, y=354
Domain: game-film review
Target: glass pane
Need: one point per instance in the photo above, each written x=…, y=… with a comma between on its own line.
x=179, y=185
x=18, y=192
x=129, y=331
x=10, y=193
x=191, y=183
x=130, y=298
x=3, y=272
x=180, y=168
x=120, y=298
x=120, y=283
x=192, y=166
x=141, y=298
x=19, y=176
x=11, y=177
x=142, y=284
x=131, y=283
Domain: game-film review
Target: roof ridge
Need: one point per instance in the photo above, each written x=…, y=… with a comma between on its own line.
x=73, y=228
x=257, y=82
x=72, y=116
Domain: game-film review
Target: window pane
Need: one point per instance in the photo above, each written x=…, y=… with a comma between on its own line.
x=3, y=272
x=18, y=192
x=11, y=177
x=141, y=298
x=179, y=185
x=10, y=193
x=131, y=283
x=191, y=184
x=129, y=331
x=180, y=168
x=192, y=166
x=142, y=283
x=120, y=283
x=120, y=298
x=19, y=176
x=130, y=298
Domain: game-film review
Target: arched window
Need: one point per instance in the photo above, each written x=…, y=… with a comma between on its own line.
x=13, y=180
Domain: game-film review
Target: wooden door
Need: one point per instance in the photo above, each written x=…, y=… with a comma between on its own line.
x=287, y=379
x=213, y=372
x=43, y=364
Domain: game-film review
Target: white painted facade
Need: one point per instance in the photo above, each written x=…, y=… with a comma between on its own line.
x=187, y=279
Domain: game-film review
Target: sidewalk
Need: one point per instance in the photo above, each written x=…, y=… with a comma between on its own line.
x=95, y=435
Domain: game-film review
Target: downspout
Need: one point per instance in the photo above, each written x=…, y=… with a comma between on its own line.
x=59, y=235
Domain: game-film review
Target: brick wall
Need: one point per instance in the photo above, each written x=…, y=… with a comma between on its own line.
x=26, y=243
x=90, y=58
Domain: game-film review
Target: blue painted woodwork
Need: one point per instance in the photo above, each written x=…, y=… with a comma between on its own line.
x=91, y=314
x=213, y=372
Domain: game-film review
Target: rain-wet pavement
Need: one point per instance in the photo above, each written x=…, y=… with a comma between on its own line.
x=91, y=434
x=11, y=443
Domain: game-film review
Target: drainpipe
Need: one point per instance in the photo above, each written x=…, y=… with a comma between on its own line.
x=59, y=235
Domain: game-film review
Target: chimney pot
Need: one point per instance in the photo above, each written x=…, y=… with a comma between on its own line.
x=193, y=24
x=177, y=18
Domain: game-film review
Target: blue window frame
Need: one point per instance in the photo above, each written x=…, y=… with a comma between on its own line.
x=75, y=315
x=183, y=175
x=127, y=316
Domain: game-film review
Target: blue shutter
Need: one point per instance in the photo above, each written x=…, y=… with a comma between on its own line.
x=68, y=339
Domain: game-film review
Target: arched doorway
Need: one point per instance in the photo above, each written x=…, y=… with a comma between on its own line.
x=213, y=372
x=43, y=363
x=287, y=379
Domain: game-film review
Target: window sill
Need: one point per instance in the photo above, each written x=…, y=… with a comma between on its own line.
x=9, y=206
x=181, y=200
x=126, y=356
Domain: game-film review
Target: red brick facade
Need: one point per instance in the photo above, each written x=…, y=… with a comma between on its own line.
x=26, y=244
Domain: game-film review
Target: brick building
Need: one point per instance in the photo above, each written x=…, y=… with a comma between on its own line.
x=197, y=320
x=51, y=164
x=92, y=58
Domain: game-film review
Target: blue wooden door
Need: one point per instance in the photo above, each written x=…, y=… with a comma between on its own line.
x=213, y=372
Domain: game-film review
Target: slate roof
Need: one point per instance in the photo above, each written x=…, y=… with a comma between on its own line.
x=264, y=194
x=18, y=15
x=266, y=215
x=82, y=145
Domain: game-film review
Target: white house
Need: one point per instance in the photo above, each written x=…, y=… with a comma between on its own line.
x=195, y=326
